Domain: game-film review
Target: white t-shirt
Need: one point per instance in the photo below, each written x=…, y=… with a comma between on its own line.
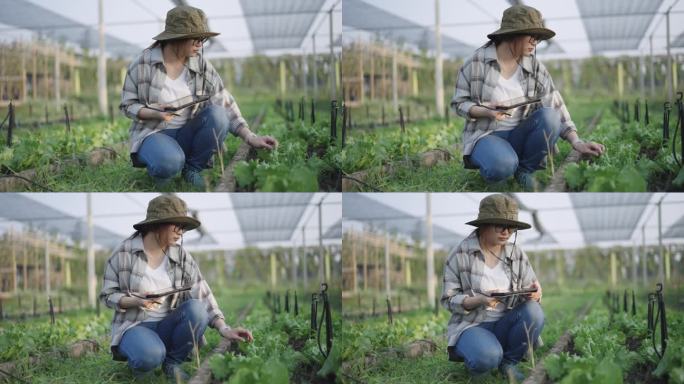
x=155, y=280
x=495, y=279
x=506, y=90
x=172, y=91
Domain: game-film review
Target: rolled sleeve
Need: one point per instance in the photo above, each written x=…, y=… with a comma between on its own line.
x=462, y=102
x=130, y=104
x=111, y=295
x=452, y=294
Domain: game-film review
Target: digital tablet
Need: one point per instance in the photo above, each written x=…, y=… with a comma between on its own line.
x=162, y=293
x=181, y=103
x=512, y=103
x=524, y=291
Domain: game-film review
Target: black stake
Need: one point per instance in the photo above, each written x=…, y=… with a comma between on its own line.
x=446, y=113
x=111, y=114
x=66, y=119
x=52, y=311
x=373, y=312
x=646, y=118
x=11, y=126
x=333, y=121
x=287, y=301
x=313, y=111
x=636, y=110
x=296, y=304
x=633, y=304
x=382, y=121
x=314, y=313
x=389, y=311
x=666, y=122
x=401, y=120
x=35, y=306
x=345, y=117
x=47, y=120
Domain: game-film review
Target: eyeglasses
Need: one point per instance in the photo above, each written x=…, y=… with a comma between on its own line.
x=535, y=39
x=501, y=228
x=179, y=229
x=200, y=41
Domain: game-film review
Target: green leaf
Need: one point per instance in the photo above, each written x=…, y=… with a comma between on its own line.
x=679, y=180
x=332, y=363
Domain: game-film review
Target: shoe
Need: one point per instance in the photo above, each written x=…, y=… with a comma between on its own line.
x=175, y=373
x=160, y=183
x=193, y=176
x=511, y=372
x=526, y=180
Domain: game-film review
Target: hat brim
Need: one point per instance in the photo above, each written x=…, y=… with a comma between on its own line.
x=164, y=36
x=188, y=223
x=543, y=33
x=512, y=223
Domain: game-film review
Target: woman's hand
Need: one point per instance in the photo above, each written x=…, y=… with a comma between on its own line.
x=265, y=142
x=479, y=300
x=536, y=296
x=498, y=115
x=590, y=148
x=237, y=334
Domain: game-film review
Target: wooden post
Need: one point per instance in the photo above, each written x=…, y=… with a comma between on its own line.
x=365, y=264
x=613, y=269
x=25, y=250
x=620, y=79
x=388, y=268
x=353, y=260
x=13, y=244
x=372, y=74
x=34, y=74
x=361, y=81
x=24, y=90
x=283, y=80
x=274, y=277
x=47, y=266
x=57, y=83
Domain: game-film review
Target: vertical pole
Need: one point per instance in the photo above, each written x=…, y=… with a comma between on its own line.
x=365, y=264
x=24, y=90
x=439, y=75
x=644, y=256
x=652, y=63
x=293, y=265
x=274, y=267
x=25, y=251
x=14, y=260
x=634, y=263
x=361, y=79
x=314, y=77
x=101, y=66
x=429, y=251
x=305, y=274
x=372, y=74
x=321, y=266
x=387, y=264
x=355, y=283
x=333, y=74
x=47, y=266
x=34, y=74
x=90, y=249
x=613, y=270
x=669, y=64
x=661, y=254
x=58, y=75
x=667, y=264
x=395, y=91
x=620, y=79
x=304, y=66
x=283, y=82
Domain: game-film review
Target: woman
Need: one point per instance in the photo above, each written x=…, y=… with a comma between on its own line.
x=484, y=331
x=150, y=332
x=502, y=143
x=170, y=73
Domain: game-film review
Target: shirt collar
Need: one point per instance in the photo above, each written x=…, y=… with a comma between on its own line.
x=472, y=246
x=156, y=57
x=490, y=55
x=137, y=246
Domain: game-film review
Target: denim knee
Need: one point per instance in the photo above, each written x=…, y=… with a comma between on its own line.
x=216, y=118
x=551, y=121
x=195, y=311
x=499, y=169
x=150, y=356
x=488, y=359
x=168, y=165
x=533, y=314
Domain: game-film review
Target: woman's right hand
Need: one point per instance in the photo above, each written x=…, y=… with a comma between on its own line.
x=498, y=115
x=147, y=303
x=479, y=300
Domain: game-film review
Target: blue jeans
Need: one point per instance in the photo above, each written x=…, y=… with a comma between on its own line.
x=487, y=345
x=149, y=344
x=166, y=152
x=501, y=153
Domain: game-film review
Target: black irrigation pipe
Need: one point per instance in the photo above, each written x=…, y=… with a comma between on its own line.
x=326, y=317
x=657, y=299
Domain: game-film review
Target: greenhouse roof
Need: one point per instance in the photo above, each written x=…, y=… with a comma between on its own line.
x=559, y=221
x=229, y=221
x=246, y=27
x=583, y=27
x=364, y=208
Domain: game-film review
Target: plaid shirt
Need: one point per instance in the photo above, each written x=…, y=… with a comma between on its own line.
x=123, y=273
x=463, y=274
x=143, y=85
x=479, y=77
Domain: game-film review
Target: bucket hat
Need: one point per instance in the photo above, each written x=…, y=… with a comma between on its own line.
x=168, y=209
x=185, y=22
x=498, y=209
x=523, y=20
